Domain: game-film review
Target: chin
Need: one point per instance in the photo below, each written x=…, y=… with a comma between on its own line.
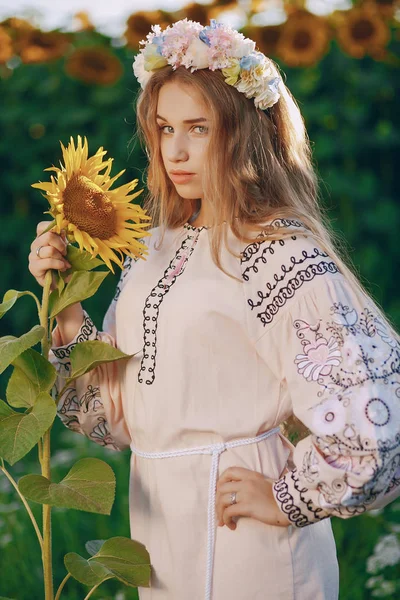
x=187, y=195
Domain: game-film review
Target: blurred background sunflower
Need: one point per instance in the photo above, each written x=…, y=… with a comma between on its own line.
x=94, y=65
x=66, y=70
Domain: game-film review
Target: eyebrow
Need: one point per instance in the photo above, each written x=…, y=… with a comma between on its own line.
x=199, y=120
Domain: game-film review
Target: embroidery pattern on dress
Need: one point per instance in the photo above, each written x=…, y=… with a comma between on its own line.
x=288, y=505
x=90, y=401
x=152, y=306
x=353, y=363
x=260, y=250
x=86, y=333
x=101, y=434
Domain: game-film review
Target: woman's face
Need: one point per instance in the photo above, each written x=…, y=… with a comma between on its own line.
x=183, y=143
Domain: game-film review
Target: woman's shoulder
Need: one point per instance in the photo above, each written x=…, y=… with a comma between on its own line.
x=276, y=272
x=282, y=246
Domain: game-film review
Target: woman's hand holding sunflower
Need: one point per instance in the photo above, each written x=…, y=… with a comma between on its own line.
x=53, y=249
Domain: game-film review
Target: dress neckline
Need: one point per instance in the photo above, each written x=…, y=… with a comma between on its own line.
x=187, y=225
x=193, y=228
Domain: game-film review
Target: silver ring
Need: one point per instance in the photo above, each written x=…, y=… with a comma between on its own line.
x=38, y=250
x=233, y=497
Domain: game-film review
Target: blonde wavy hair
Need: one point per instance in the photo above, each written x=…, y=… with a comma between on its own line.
x=266, y=159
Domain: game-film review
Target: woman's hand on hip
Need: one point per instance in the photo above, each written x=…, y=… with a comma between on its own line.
x=254, y=498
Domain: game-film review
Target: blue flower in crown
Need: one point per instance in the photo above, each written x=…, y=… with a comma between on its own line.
x=252, y=60
x=158, y=40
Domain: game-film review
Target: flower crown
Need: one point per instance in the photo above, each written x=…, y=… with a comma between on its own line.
x=215, y=46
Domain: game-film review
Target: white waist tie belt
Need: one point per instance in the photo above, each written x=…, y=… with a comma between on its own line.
x=215, y=450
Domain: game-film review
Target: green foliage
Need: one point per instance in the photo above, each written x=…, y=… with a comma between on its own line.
x=11, y=347
x=10, y=298
x=125, y=559
x=80, y=260
x=83, y=284
x=20, y=432
x=89, y=486
x=88, y=355
x=32, y=375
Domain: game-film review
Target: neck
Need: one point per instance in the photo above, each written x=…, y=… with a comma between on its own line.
x=199, y=216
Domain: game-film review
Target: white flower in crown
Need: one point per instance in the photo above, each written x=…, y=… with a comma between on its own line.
x=257, y=80
x=196, y=55
x=140, y=72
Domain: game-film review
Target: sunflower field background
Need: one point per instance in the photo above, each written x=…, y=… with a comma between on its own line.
x=343, y=69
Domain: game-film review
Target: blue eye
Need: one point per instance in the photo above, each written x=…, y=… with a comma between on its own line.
x=161, y=128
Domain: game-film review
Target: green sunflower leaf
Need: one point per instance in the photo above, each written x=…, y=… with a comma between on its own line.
x=93, y=546
x=32, y=375
x=20, y=432
x=81, y=260
x=84, y=571
x=83, y=284
x=88, y=486
x=10, y=298
x=125, y=559
x=11, y=347
x=86, y=356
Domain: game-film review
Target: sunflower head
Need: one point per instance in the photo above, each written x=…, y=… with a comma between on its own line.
x=139, y=24
x=94, y=65
x=93, y=215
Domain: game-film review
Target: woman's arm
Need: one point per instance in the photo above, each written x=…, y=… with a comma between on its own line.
x=341, y=366
x=92, y=404
x=69, y=322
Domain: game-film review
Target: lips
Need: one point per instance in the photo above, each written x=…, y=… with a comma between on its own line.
x=181, y=173
x=182, y=177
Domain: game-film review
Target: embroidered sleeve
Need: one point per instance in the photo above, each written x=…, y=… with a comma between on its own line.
x=341, y=367
x=340, y=363
x=92, y=405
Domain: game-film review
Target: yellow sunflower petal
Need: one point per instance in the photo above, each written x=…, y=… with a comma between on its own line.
x=93, y=215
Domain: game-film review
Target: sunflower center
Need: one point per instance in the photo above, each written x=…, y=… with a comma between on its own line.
x=95, y=61
x=89, y=208
x=302, y=39
x=362, y=29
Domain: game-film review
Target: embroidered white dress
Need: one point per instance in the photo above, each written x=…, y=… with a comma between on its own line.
x=216, y=361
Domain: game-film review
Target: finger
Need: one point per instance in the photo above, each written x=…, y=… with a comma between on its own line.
x=50, y=263
x=47, y=252
x=224, y=495
x=224, y=491
x=50, y=239
x=224, y=501
x=228, y=486
x=234, y=510
x=40, y=227
x=235, y=474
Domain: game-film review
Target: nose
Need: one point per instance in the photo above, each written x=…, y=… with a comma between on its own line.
x=178, y=149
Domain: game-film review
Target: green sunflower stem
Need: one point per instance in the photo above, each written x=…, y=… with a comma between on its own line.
x=62, y=584
x=45, y=454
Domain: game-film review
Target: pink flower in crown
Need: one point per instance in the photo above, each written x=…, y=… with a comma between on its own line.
x=225, y=44
x=177, y=38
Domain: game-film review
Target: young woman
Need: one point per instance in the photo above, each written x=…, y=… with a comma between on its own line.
x=242, y=316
